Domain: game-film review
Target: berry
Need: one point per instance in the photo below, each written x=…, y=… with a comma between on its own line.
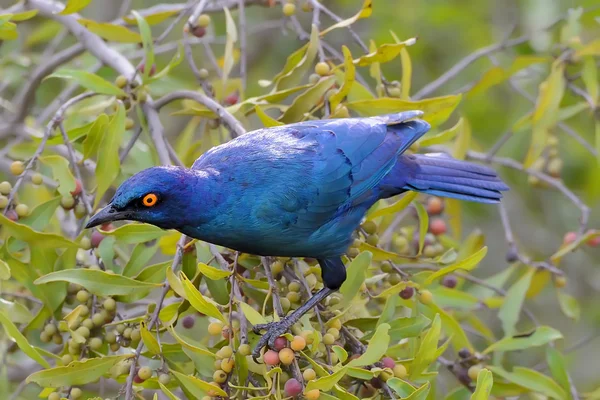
x=298, y=344
x=322, y=69
x=110, y=337
x=473, y=372
x=203, y=73
x=88, y=323
x=129, y=123
x=50, y=329
x=294, y=286
x=328, y=339
x=3, y=201
x=464, y=353
x=83, y=331
x=244, y=349
x=271, y=357
x=289, y=9
x=145, y=373
x=395, y=92
x=76, y=393
x=312, y=394
x=336, y=323
x=437, y=226
x=188, y=322
x=388, y=362
x=121, y=81
x=109, y=304
x=127, y=333
x=198, y=31
x=373, y=239
x=425, y=297
x=407, y=292
x=83, y=296
x=560, y=281
x=400, y=371
x=449, y=281
x=54, y=396
x=293, y=297
x=219, y=376
x=435, y=205
x=313, y=78
x=95, y=343
x=137, y=379
x=554, y=167
x=286, y=356
x=569, y=237
x=136, y=335
x=594, y=241
x=226, y=332
x=17, y=168
x=165, y=379
x=78, y=188
x=44, y=337
x=232, y=99
x=114, y=347
x=37, y=179
x=227, y=364
x=142, y=67
x=85, y=243
x=96, y=238
x=280, y=343
x=334, y=332
x=215, y=328
x=66, y=359
x=309, y=374
x=203, y=20
x=5, y=188
x=67, y=202
x=22, y=210
x=292, y=387
x=226, y=352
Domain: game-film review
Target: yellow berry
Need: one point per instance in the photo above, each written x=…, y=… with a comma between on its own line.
x=426, y=297
x=328, y=339
x=294, y=286
x=226, y=351
x=219, y=376
x=22, y=210
x=312, y=394
x=336, y=323
x=369, y=227
x=121, y=81
x=204, y=20
x=145, y=373
x=309, y=374
x=322, y=69
x=203, y=73
x=400, y=371
x=17, y=168
x=560, y=281
x=5, y=188
x=129, y=123
x=294, y=297
x=76, y=393
x=474, y=372
x=37, y=179
x=334, y=332
x=54, y=396
x=227, y=364
x=215, y=328
x=83, y=296
x=244, y=349
x=286, y=356
x=289, y=9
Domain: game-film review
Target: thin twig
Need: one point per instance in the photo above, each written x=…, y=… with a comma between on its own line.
x=243, y=44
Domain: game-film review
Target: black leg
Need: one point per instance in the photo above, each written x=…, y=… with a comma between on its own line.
x=333, y=272
x=276, y=329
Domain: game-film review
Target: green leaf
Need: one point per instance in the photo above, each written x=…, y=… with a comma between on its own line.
x=485, y=381
x=198, y=301
x=497, y=74
x=253, y=316
x=108, y=165
x=442, y=137
x=89, y=81
x=212, y=272
x=306, y=101
x=395, y=208
x=349, y=77
x=140, y=257
x=98, y=282
x=558, y=369
x=569, y=305
x=376, y=349
x=111, y=32
x=76, y=373
x=340, y=352
x=437, y=110
x=298, y=63
x=463, y=141
x=23, y=16
x=4, y=270
x=196, y=348
x=16, y=312
x=175, y=61
x=427, y=349
x=149, y=340
x=406, y=74
x=365, y=12
x=541, y=336
x=167, y=392
x=532, y=380
x=74, y=6
x=356, y=273
x=590, y=49
x=511, y=308
x=452, y=327
x=403, y=389
x=421, y=393
x=468, y=264
x=196, y=386
x=94, y=137
x=384, y=53
x=326, y=383
x=135, y=233
x=26, y=234
x=147, y=43
x=61, y=172
x=41, y=215
x=589, y=75
x=423, y=223
x=231, y=36
x=13, y=332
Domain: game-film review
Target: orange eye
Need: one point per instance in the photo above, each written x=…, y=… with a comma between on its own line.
x=150, y=200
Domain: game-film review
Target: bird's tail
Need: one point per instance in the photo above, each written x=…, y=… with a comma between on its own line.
x=441, y=175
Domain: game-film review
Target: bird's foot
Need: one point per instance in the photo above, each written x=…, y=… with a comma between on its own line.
x=273, y=331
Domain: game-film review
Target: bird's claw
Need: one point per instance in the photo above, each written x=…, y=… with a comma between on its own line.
x=273, y=331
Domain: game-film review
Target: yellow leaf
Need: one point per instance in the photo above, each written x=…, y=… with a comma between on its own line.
x=192, y=384
x=74, y=6
x=198, y=301
x=442, y=137
x=111, y=32
x=149, y=340
x=349, y=76
x=394, y=208
x=365, y=12
x=251, y=314
x=195, y=348
x=174, y=282
x=463, y=141
x=267, y=121
x=590, y=49
x=71, y=317
x=231, y=38
x=467, y=264
x=212, y=272
x=153, y=19
x=384, y=53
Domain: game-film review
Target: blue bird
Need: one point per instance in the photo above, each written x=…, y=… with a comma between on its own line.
x=297, y=190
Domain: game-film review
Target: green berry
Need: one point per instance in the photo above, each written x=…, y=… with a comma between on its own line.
x=121, y=81
x=110, y=337
x=50, y=329
x=5, y=188
x=83, y=331
x=17, y=168
x=66, y=359
x=76, y=393
x=165, y=379
x=203, y=73
x=136, y=335
x=369, y=227
x=37, y=179
x=22, y=210
x=95, y=343
x=3, y=201
x=145, y=373
x=204, y=20
x=83, y=296
x=54, y=396
x=110, y=304
x=88, y=323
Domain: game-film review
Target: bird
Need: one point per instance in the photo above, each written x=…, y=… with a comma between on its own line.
x=297, y=190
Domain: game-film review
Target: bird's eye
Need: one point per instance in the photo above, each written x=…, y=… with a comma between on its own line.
x=149, y=200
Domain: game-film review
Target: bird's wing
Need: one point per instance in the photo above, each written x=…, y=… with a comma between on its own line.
x=352, y=156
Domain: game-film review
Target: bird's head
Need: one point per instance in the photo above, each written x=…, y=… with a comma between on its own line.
x=159, y=196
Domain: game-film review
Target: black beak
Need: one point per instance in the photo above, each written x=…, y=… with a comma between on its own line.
x=107, y=214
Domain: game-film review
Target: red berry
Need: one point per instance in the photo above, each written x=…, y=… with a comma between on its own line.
x=12, y=215
x=449, y=281
x=137, y=379
x=594, y=242
x=271, y=357
x=188, y=322
x=435, y=205
x=232, y=99
x=388, y=362
x=292, y=387
x=96, y=238
x=437, y=226
x=569, y=237
x=198, y=31
x=407, y=293
x=280, y=343
x=107, y=227
x=78, y=188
